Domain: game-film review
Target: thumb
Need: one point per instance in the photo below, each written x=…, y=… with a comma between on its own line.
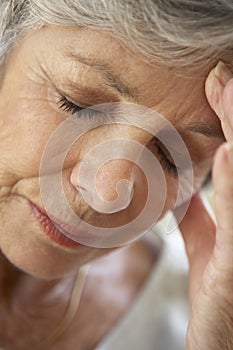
x=198, y=231
x=223, y=183
x=219, y=93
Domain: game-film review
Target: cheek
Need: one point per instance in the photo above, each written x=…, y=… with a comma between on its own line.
x=25, y=131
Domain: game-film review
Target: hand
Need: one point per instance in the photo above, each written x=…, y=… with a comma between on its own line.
x=209, y=247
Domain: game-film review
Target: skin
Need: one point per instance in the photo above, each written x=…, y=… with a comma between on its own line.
x=211, y=263
x=36, y=71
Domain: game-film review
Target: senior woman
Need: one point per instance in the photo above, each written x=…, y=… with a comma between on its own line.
x=59, y=57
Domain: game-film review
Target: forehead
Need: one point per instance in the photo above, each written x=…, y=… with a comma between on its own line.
x=178, y=95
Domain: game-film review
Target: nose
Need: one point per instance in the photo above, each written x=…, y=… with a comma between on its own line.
x=108, y=188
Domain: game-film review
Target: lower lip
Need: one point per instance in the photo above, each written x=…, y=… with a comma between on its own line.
x=51, y=230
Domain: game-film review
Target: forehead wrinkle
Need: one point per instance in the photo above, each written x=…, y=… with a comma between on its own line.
x=110, y=77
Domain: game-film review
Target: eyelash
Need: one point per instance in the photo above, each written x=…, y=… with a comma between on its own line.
x=69, y=107
x=165, y=162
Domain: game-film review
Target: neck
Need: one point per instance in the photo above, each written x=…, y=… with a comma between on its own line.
x=17, y=285
x=26, y=300
x=9, y=276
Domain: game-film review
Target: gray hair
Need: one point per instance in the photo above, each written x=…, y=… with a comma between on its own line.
x=179, y=32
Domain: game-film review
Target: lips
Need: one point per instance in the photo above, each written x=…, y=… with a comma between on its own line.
x=51, y=230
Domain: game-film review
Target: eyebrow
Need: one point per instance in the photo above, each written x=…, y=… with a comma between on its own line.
x=207, y=130
x=110, y=77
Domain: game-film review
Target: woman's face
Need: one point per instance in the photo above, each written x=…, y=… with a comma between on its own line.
x=85, y=67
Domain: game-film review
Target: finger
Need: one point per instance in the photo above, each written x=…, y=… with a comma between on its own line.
x=218, y=90
x=223, y=184
x=227, y=102
x=198, y=231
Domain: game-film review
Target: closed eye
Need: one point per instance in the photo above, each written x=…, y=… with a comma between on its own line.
x=165, y=158
x=88, y=113
x=68, y=106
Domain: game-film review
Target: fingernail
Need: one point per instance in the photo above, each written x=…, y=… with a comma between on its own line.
x=223, y=73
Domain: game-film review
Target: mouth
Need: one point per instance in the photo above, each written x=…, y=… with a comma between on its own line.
x=51, y=230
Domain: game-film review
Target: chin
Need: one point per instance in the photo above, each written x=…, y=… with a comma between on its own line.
x=25, y=246
x=40, y=264
x=40, y=259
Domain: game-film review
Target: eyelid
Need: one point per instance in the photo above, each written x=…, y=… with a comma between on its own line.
x=155, y=145
x=80, y=112
x=91, y=96
x=79, y=103
x=68, y=106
